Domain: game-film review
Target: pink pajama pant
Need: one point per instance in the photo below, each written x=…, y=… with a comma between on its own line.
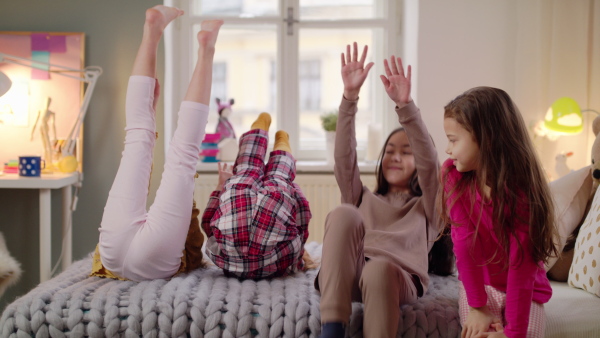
x=497, y=304
x=135, y=243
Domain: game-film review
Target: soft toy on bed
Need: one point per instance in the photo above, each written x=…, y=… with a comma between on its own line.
x=224, y=127
x=596, y=153
x=573, y=194
x=10, y=269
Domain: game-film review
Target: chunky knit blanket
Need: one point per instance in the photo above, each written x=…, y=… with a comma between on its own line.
x=204, y=303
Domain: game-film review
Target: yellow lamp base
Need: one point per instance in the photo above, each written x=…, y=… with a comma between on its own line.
x=67, y=164
x=49, y=168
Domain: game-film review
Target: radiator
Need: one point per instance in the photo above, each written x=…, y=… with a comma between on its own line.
x=321, y=190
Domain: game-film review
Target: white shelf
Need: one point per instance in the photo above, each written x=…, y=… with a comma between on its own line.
x=44, y=184
x=46, y=181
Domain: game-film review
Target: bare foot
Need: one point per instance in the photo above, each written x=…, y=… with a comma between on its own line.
x=158, y=17
x=209, y=29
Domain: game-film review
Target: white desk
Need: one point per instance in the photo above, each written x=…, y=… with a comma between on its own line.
x=44, y=184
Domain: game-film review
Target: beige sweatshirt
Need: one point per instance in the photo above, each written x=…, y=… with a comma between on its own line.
x=398, y=226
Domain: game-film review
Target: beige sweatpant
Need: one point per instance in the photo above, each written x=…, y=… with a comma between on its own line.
x=346, y=275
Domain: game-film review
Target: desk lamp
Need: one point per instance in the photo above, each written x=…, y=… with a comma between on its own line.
x=89, y=75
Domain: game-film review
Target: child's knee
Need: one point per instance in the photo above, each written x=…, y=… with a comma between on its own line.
x=344, y=218
x=379, y=273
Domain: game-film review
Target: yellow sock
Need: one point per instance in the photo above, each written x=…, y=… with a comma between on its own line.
x=262, y=122
x=282, y=141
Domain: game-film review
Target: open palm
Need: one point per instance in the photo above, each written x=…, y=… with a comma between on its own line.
x=397, y=84
x=354, y=71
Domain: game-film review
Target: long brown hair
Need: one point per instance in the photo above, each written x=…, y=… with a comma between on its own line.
x=383, y=186
x=508, y=165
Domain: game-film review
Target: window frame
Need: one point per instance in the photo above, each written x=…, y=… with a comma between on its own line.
x=179, y=39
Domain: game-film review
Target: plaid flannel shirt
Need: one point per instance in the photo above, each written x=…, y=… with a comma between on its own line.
x=258, y=224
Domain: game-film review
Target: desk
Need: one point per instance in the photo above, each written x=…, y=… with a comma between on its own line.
x=44, y=184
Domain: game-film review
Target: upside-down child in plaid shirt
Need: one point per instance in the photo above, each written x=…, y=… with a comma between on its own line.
x=257, y=218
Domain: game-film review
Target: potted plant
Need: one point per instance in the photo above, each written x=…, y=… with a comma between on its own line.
x=329, y=123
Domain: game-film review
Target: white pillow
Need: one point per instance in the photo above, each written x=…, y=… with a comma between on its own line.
x=571, y=194
x=585, y=269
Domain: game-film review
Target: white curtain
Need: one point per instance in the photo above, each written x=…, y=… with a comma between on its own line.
x=558, y=54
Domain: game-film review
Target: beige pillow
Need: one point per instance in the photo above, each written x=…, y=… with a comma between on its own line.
x=571, y=194
x=585, y=269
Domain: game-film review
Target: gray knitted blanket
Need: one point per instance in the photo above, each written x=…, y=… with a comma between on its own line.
x=204, y=303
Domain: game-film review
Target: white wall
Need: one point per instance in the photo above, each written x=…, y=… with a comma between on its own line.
x=460, y=44
x=456, y=45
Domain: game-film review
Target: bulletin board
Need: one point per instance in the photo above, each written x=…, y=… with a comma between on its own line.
x=39, y=95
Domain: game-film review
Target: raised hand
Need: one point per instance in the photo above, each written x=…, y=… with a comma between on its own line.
x=396, y=83
x=354, y=71
x=224, y=174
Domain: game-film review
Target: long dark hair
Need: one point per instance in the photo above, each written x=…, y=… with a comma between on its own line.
x=508, y=165
x=441, y=256
x=383, y=187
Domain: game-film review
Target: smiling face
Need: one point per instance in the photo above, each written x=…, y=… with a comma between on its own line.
x=398, y=163
x=462, y=147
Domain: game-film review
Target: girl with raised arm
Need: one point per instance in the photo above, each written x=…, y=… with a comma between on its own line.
x=376, y=244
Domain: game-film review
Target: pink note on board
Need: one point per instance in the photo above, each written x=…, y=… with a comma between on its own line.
x=40, y=42
x=48, y=43
x=38, y=74
x=58, y=44
x=40, y=70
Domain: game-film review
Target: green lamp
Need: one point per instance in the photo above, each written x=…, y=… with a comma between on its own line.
x=564, y=117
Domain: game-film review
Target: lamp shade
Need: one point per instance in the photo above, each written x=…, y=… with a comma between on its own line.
x=564, y=116
x=5, y=84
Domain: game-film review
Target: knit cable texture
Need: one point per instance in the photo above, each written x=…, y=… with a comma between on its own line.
x=204, y=303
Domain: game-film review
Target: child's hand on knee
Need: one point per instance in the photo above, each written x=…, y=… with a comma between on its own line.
x=498, y=333
x=478, y=322
x=224, y=174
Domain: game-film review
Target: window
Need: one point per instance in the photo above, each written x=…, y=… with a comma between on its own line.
x=310, y=85
x=283, y=57
x=219, y=82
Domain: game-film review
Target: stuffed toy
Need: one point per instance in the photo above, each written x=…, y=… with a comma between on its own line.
x=578, y=208
x=10, y=269
x=224, y=127
x=561, y=166
x=596, y=154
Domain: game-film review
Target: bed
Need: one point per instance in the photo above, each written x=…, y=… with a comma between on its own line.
x=203, y=303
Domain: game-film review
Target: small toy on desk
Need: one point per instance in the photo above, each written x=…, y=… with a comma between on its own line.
x=46, y=118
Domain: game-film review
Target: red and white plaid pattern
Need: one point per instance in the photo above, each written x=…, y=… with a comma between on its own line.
x=497, y=304
x=258, y=224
